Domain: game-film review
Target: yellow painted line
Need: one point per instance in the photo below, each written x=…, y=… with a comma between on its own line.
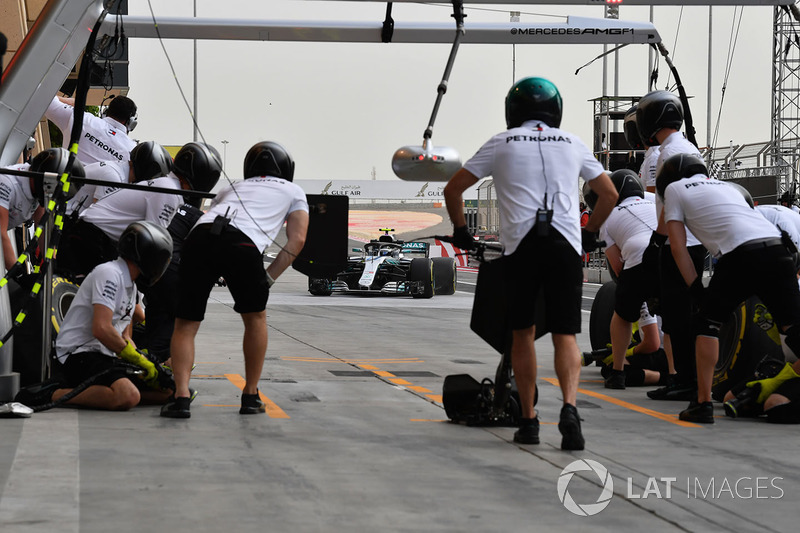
x=353, y=361
x=633, y=407
x=400, y=381
x=273, y=411
x=417, y=388
x=383, y=373
x=208, y=375
x=435, y=397
x=368, y=367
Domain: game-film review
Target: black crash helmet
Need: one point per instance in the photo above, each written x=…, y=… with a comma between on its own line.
x=149, y=247
x=199, y=164
x=627, y=183
x=631, y=130
x=150, y=160
x=676, y=168
x=55, y=160
x=657, y=110
x=589, y=196
x=268, y=159
x=533, y=99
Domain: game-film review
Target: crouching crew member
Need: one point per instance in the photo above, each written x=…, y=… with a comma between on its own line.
x=95, y=334
x=627, y=233
x=229, y=241
x=536, y=166
x=93, y=240
x=753, y=260
x=22, y=199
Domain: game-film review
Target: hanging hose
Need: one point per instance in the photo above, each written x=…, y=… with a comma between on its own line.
x=687, y=113
x=458, y=14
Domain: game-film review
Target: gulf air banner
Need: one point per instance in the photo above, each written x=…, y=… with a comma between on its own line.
x=382, y=189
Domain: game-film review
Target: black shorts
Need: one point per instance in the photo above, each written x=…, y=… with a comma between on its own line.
x=81, y=366
x=790, y=389
x=552, y=265
x=230, y=255
x=634, y=286
x=767, y=272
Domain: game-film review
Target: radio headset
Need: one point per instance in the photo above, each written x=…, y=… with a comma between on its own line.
x=132, y=121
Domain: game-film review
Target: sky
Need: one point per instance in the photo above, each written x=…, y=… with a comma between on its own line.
x=343, y=109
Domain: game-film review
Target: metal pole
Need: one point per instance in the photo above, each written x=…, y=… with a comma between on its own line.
x=224, y=156
x=47, y=301
x=650, y=55
x=708, y=86
x=195, y=133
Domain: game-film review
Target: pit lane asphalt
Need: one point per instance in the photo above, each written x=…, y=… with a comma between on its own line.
x=356, y=440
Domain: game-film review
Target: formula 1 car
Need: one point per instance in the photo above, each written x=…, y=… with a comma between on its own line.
x=387, y=266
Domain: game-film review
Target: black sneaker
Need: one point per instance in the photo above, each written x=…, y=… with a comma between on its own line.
x=176, y=408
x=252, y=405
x=528, y=432
x=702, y=413
x=674, y=391
x=570, y=427
x=616, y=380
x=39, y=394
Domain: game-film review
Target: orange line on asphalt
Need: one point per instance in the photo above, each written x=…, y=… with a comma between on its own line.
x=383, y=373
x=417, y=388
x=368, y=367
x=435, y=397
x=633, y=407
x=273, y=411
x=400, y=381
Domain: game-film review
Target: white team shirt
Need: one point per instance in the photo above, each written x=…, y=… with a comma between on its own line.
x=102, y=139
x=17, y=198
x=648, y=169
x=116, y=171
x=629, y=226
x=109, y=284
x=716, y=213
x=267, y=199
x=527, y=163
x=784, y=218
x=675, y=143
x=116, y=211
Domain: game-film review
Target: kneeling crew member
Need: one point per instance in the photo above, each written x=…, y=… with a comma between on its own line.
x=229, y=241
x=96, y=331
x=753, y=260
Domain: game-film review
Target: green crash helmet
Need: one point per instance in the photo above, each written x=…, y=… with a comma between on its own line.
x=533, y=99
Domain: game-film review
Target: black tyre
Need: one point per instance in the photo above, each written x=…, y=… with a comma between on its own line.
x=421, y=270
x=601, y=314
x=27, y=355
x=64, y=292
x=746, y=338
x=444, y=275
x=319, y=286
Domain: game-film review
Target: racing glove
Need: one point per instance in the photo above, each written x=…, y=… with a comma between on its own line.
x=135, y=357
x=588, y=240
x=770, y=385
x=462, y=238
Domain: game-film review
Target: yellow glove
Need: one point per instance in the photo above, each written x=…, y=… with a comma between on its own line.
x=769, y=385
x=133, y=356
